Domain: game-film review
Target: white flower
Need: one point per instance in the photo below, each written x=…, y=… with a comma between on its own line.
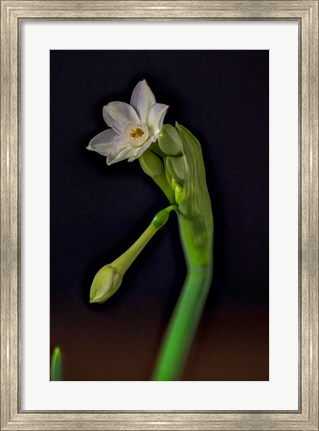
x=134, y=126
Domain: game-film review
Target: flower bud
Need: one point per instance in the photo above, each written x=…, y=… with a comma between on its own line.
x=109, y=278
x=176, y=168
x=105, y=283
x=151, y=164
x=169, y=141
x=178, y=189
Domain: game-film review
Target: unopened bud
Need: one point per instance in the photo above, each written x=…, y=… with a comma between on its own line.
x=169, y=141
x=178, y=189
x=109, y=278
x=105, y=283
x=151, y=164
x=176, y=168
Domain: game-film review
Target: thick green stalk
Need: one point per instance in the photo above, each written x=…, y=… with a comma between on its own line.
x=196, y=232
x=183, y=323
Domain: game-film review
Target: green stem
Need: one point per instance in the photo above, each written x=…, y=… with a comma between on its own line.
x=196, y=231
x=122, y=263
x=153, y=167
x=109, y=278
x=183, y=323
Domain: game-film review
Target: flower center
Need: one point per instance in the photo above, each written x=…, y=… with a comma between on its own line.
x=136, y=133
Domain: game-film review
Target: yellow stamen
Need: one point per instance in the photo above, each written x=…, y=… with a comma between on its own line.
x=136, y=133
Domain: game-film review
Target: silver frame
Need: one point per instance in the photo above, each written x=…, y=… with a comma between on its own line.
x=306, y=14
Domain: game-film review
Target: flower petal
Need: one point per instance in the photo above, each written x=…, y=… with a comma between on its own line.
x=125, y=153
x=156, y=117
x=142, y=100
x=118, y=114
x=141, y=150
x=105, y=142
x=111, y=145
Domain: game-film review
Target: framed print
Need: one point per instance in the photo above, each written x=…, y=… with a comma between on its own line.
x=145, y=308
x=238, y=80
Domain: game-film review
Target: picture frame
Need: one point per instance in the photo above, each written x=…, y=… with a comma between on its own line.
x=12, y=14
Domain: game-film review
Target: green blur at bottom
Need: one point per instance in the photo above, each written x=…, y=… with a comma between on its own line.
x=56, y=365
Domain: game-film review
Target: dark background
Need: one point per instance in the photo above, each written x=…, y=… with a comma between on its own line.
x=98, y=211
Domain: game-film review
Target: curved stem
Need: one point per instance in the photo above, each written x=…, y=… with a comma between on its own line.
x=183, y=323
x=196, y=227
x=123, y=262
x=109, y=278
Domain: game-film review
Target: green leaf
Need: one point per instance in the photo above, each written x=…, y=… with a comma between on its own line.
x=56, y=365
